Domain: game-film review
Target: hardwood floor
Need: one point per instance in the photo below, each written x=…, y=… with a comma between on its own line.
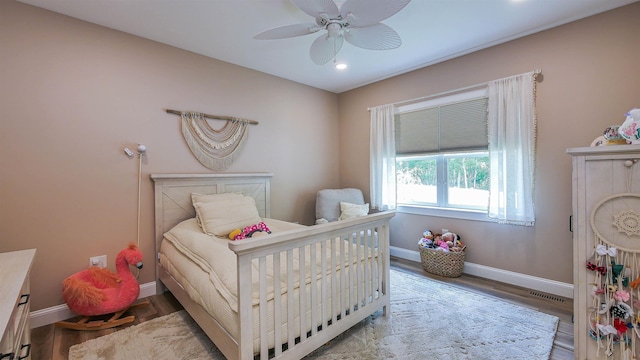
x=53, y=343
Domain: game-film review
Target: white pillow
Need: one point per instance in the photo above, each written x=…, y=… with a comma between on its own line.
x=199, y=200
x=349, y=210
x=220, y=214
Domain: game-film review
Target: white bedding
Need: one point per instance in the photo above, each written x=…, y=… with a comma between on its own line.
x=198, y=261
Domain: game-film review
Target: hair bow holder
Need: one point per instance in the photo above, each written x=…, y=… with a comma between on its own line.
x=613, y=295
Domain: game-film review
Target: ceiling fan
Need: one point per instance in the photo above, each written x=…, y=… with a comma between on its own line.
x=357, y=21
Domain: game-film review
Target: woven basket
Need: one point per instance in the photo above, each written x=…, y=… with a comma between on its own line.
x=442, y=263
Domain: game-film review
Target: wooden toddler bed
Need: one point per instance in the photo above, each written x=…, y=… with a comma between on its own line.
x=281, y=295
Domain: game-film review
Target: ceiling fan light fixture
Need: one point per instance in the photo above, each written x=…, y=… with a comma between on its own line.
x=341, y=66
x=356, y=21
x=333, y=29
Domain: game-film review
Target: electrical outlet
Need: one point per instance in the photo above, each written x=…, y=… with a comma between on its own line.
x=98, y=261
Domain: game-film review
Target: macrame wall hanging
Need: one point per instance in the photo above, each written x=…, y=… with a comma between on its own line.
x=214, y=148
x=615, y=307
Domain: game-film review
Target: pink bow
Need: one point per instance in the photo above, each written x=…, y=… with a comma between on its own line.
x=621, y=295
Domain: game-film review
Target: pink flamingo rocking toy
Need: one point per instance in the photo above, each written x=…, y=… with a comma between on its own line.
x=99, y=291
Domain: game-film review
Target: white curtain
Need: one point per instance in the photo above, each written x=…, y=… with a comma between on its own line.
x=383, y=158
x=512, y=141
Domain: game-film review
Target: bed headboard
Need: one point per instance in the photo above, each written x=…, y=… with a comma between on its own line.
x=173, y=195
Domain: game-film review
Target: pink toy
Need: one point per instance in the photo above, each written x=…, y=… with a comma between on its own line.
x=252, y=230
x=443, y=246
x=441, y=242
x=99, y=291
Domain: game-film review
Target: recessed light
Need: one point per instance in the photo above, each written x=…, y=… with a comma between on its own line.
x=341, y=66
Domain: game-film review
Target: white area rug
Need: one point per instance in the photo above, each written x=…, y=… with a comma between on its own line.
x=428, y=320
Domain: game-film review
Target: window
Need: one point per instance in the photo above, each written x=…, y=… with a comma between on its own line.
x=442, y=156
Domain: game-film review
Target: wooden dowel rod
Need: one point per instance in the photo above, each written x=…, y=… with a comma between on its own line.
x=216, y=117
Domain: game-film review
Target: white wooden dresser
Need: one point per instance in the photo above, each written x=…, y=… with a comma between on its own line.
x=606, y=251
x=15, y=299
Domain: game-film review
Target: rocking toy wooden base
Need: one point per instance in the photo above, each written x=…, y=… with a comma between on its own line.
x=87, y=324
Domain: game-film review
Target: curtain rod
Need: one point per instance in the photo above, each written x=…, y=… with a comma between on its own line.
x=449, y=92
x=216, y=117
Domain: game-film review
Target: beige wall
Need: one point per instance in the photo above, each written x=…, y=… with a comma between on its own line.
x=591, y=78
x=73, y=95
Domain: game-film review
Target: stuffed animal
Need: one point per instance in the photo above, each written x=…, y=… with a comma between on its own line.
x=441, y=242
x=255, y=230
x=630, y=129
x=99, y=291
x=427, y=239
x=452, y=240
x=234, y=233
x=443, y=246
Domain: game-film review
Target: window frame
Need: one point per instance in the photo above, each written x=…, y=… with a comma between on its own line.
x=446, y=157
x=442, y=208
x=442, y=178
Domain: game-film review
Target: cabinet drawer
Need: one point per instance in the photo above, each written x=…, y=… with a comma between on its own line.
x=15, y=305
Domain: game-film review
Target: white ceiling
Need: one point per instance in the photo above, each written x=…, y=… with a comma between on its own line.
x=431, y=30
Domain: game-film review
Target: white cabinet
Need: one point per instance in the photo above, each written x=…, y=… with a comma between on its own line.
x=606, y=218
x=15, y=298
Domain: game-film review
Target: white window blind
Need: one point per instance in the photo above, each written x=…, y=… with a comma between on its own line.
x=454, y=127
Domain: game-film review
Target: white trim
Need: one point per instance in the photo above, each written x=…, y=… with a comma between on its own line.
x=61, y=312
x=49, y=315
x=504, y=276
x=445, y=212
x=404, y=254
x=467, y=95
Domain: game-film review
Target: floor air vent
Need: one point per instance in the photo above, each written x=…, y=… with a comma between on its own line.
x=546, y=296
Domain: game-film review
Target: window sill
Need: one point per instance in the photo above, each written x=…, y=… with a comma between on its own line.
x=446, y=213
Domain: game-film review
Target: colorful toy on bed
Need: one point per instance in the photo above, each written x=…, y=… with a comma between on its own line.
x=254, y=230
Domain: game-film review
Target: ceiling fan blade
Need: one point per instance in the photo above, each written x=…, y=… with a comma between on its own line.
x=374, y=37
x=316, y=7
x=362, y=13
x=288, y=31
x=324, y=48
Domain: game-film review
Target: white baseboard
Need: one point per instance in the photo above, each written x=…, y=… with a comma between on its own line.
x=61, y=312
x=504, y=276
